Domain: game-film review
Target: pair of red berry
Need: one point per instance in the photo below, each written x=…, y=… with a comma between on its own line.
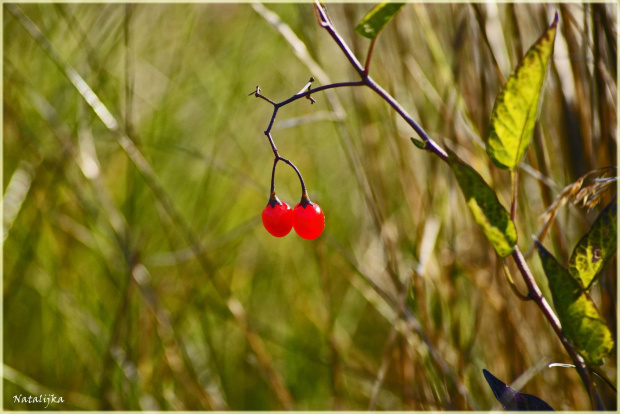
x=307, y=218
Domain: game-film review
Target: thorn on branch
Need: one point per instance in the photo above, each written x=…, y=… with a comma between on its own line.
x=307, y=88
x=419, y=144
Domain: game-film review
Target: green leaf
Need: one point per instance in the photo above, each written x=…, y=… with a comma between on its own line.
x=581, y=322
x=516, y=108
x=377, y=18
x=595, y=248
x=487, y=210
x=419, y=144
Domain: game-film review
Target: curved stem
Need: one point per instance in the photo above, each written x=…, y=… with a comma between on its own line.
x=512, y=284
x=304, y=193
x=369, y=56
x=273, y=175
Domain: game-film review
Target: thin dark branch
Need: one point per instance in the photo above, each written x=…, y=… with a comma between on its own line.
x=430, y=144
x=318, y=89
x=258, y=95
x=327, y=24
x=301, y=94
x=268, y=134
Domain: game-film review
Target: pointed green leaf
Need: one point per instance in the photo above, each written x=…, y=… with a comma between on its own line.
x=581, y=322
x=487, y=210
x=516, y=108
x=595, y=248
x=377, y=18
x=419, y=144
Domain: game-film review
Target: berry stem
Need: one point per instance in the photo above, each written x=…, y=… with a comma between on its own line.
x=301, y=180
x=273, y=185
x=273, y=197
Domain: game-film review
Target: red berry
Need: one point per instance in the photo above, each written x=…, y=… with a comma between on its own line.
x=278, y=218
x=309, y=220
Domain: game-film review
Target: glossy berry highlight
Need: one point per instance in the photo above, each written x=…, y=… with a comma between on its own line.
x=278, y=218
x=309, y=219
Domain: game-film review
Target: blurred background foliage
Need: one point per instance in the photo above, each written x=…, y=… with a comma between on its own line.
x=147, y=282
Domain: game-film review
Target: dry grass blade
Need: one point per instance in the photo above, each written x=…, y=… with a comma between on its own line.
x=174, y=352
x=118, y=223
x=588, y=195
x=83, y=88
x=385, y=364
x=14, y=195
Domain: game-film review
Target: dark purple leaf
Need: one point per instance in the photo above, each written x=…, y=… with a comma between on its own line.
x=513, y=400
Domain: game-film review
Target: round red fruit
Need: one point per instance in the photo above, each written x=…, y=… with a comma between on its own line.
x=309, y=220
x=278, y=218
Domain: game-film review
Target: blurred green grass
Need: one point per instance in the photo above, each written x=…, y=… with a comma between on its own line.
x=117, y=296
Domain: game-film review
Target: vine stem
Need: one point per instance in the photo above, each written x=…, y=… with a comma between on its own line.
x=534, y=292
